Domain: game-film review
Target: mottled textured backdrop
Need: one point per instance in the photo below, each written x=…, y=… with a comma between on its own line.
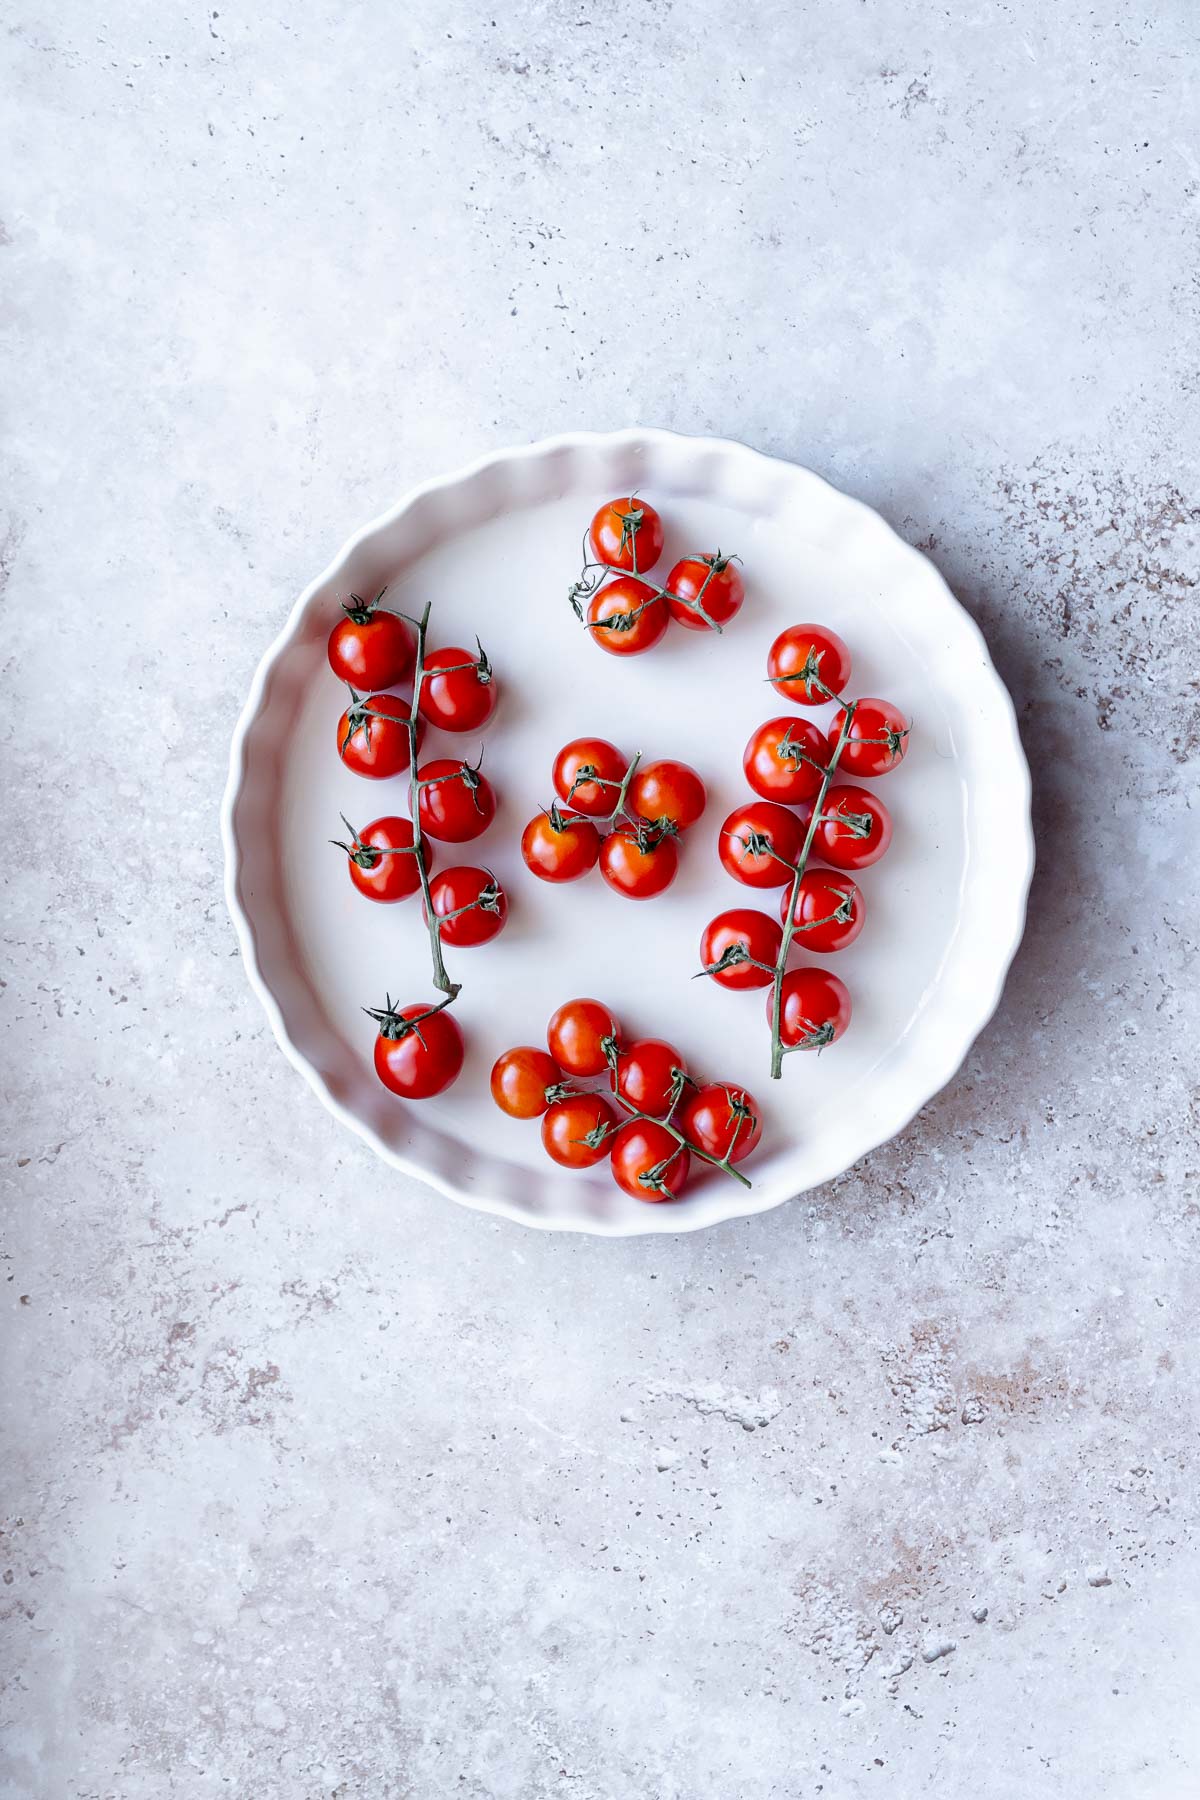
x=315, y=1484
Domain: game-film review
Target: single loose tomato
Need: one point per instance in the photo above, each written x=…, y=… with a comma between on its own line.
x=588, y=773
x=722, y=1120
x=627, y=617
x=627, y=534
x=814, y=1009
x=382, y=858
x=525, y=1081
x=580, y=1035
x=370, y=647
x=458, y=690
x=759, y=844
x=648, y=1162
x=419, y=1050
x=786, y=760
x=455, y=801
x=809, y=664
x=876, y=738
x=830, y=911
x=668, y=793
x=469, y=904
x=638, y=863
x=373, y=736
x=740, y=948
x=854, y=828
x=704, y=592
x=557, y=847
x=577, y=1130
x=650, y=1075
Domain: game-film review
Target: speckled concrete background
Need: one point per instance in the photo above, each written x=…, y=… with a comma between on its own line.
x=316, y=1485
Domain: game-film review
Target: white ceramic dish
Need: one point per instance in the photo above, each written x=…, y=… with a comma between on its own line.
x=494, y=547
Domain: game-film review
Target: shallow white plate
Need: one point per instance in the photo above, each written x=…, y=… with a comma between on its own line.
x=494, y=547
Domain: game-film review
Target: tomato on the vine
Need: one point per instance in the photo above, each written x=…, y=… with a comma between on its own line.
x=809, y=664
x=722, y=1120
x=371, y=648
x=735, y=942
x=419, y=1050
x=760, y=843
x=627, y=617
x=786, y=759
x=638, y=864
x=372, y=735
x=650, y=1075
x=627, y=534
x=667, y=792
x=457, y=804
x=458, y=690
x=577, y=1130
x=588, y=773
x=524, y=1082
x=829, y=913
x=814, y=1009
x=470, y=905
x=578, y=1034
x=382, y=859
x=557, y=847
x=648, y=1162
x=875, y=741
x=854, y=828
x=710, y=583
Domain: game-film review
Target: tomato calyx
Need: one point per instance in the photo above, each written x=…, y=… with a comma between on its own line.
x=654, y=1180
x=856, y=824
x=360, y=609
x=394, y=1026
x=359, y=714
x=368, y=856
x=467, y=773
x=732, y=957
x=758, y=843
x=789, y=751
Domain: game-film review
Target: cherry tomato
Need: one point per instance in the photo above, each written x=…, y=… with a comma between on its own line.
x=734, y=942
x=381, y=858
x=525, y=1081
x=627, y=534
x=458, y=689
x=669, y=792
x=588, y=773
x=814, y=1009
x=557, y=847
x=627, y=617
x=648, y=1075
x=809, y=664
x=459, y=802
x=418, y=1052
x=759, y=842
x=785, y=760
x=471, y=905
x=372, y=735
x=830, y=911
x=638, y=864
x=722, y=1120
x=648, y=1162
x=854, y=829
x=577, y=1035
x=709, y=582
x=876, y=741
x=570, y=1123
x=371, y=648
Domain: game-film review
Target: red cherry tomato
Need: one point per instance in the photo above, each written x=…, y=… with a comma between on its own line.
x=711, y=583
x=668, y=792
x=458, y=689
x=809, y=664
x=759, y=843
x=418, y=1053
x=876, y=740
x=627, y=617
x=372, y=735
x=734, y=942
x=786, y=759
x=371, y=648
x=569, y=1125
x=722, y=1120
x=627, y=534
x=382, y=860
x=471, y=905
x=814, y=1009
x=830, y=911
x=588, y=773
x=648, y=1075
x=557, y=847
x=638, y=864
x=854, y=829
x=459, y=802
x=577, y=1035
x=525, y=1081
x=647, y=1162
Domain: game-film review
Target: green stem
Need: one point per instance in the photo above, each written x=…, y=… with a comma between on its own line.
x=441, y=979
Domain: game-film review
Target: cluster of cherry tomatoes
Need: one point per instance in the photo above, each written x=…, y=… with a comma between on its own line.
x=624, y=815
x=624, y=612
x=649, y=1119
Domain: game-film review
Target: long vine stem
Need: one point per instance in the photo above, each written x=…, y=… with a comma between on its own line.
x=441, y=979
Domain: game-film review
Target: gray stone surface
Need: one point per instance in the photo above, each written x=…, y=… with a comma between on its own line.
x=315, y=1484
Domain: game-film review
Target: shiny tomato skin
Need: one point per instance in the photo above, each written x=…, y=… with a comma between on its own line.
x=788, y=658
x=568, y=1122
x=776, y=774
x=418, y=1066
x=877, y=739
x=637, y=869
x=372, y=736
x=716, y=584
x=642, y=1147
x=646, y=1075
x=596, y=797
x=713, y=1120
x=576, y=1035
x=618, y=599
x=814, y=1006
x=519, y=1080
x=369, y=648
x=458, y=805
x=458, y=690
x=466, y=886
x=559, y=853
x=758, y=934
x=822, y=893
x=669, y=791
x=631, y=542
x=382, y=862
x=854, y=829
x=760, y=819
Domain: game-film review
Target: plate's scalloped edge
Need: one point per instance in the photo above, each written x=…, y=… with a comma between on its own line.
x=940, y=1068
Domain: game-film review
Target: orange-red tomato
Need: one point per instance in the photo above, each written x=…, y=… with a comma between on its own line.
x=559, y=848
x=627, y=534
x=418, y=1053
x=637, y=865
x=722, y=1120
x=569, y=1124
x=809, y=664
x=786, y=760
x=648, y=1075
x=735, y=942
x=627, y=617
x=760, y=844
x=577, y=1034
x=829, y=913
x=520, y=1080
x=814, y=1009
x=588, y=773
x=704, y=585
x=668, y=791
x=648, y=1163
